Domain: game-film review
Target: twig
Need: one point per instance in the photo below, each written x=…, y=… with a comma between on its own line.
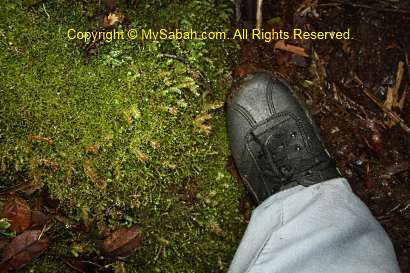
x=175, y=57
x=348, y=103
x=394, y=116
x=394, y=209
x=259, y=4
x=44, y=8
x=406, y=55
x=404, y=209
x=42, y=232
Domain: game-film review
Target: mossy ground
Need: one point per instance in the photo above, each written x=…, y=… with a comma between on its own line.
x=124, y=130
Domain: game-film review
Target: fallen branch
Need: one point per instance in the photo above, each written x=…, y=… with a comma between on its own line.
x=291, y=48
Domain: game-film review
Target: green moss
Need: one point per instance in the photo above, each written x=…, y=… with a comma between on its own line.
x=139, y=109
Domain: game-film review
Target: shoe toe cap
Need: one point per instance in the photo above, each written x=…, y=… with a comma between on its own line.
x=251, y=97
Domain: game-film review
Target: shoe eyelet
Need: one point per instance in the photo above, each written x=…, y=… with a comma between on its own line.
x=298, y=148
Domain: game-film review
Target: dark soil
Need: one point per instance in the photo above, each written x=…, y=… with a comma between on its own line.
x=373, y=155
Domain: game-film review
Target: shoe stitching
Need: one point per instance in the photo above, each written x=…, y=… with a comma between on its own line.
x=244, y=113
x=269, y=97
x=300, y=124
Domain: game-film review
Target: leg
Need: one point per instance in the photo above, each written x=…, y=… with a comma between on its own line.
x=321, y=228
x=302, y=225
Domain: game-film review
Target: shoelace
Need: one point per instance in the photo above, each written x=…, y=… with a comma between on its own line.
x=275, y=163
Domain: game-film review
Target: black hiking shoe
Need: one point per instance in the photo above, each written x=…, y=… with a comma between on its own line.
x=274, y=143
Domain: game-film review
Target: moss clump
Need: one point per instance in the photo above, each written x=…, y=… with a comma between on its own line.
x=127, y=136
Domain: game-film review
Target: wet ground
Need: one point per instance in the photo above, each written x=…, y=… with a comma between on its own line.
x=358, y=93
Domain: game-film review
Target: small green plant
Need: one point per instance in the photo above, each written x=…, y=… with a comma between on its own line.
x=4, y=225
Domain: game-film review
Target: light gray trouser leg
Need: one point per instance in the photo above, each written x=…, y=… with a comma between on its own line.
x=323, y=228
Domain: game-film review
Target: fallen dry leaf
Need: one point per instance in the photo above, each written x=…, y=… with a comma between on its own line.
x=19, y=214
x=22, y=249
x=112, y=18
x=122, y=242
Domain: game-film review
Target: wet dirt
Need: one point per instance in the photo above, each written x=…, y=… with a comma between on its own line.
x=332, y=83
